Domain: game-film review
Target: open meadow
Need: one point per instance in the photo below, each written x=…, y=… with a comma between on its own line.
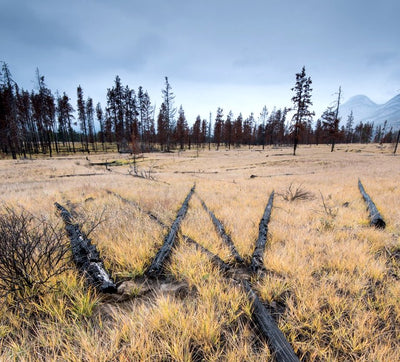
x=331, y=281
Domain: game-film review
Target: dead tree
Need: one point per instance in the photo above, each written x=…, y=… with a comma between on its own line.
x=86, y=256
x=224, y=235
x=157, y=265
x=375, y=217
x=257, y=259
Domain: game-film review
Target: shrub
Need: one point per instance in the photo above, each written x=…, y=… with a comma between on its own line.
x=32, y=252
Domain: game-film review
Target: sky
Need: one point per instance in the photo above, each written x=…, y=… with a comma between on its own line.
x=237, y=55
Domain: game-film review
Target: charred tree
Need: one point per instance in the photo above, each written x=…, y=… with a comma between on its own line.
x=279, y=345
x=257, y=259
x=86, y=256
x=163, y=253
x=375, y=217
x=221, y=231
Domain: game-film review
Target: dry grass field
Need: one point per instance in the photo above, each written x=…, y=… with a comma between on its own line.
x=332, y=282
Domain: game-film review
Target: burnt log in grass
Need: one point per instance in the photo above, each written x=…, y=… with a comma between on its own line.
x=280, y=347
x=375, y=217
x=86, y=256
x=135, y=204
x=156, y=267
x=224, y=235
x=257, y=259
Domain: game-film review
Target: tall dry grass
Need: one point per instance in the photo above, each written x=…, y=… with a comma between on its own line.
x=331, y=281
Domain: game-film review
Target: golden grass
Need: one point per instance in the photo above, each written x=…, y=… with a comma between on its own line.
x=332, y=281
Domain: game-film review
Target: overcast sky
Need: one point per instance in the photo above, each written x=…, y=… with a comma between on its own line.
x=238, y=55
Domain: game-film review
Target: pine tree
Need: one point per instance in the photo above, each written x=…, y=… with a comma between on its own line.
x=196, y=130
x=218, y=125
x=330, y=125
x=262, y=129
x=162, y=127
x=65, y=117
x=8, y=113
x=181, y=128
x=90, y=122
x=349, y=128
x=238, y=130
x=82, y=119
x=227, y=130
x=302, y=101
x=168, y=97
x=247, y=130
x=100, y=119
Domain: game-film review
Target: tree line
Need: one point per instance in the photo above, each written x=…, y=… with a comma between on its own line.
x=38, y=121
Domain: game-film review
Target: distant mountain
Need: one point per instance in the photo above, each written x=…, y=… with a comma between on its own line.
x=365, y=110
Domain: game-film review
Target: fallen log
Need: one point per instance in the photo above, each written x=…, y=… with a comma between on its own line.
x=281, y=348
x=279, y=345
x=257, y=259
x=375, y=217
x=221, y=231
x=215, y=259
x=86, y=256
x=135, y=204
x=157, y=265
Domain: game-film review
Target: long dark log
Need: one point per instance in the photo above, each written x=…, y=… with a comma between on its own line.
x=215, y=259
x=163, y=253
x=279, y=345
x=221, y=231
x=86, y=256
x=375, y=217
x=257, y=259
x=135, y=204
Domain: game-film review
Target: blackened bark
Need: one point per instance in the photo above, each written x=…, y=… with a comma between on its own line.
x=157, y=265
x=375, y=217
x=221, y=231
x=86, y=256
x=280, y=347
x=257, y=259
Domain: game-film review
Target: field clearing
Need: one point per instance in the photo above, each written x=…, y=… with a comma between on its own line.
x=332, y=282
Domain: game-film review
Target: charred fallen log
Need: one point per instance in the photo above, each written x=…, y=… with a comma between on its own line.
x=257, y=259
x=86, y=256
x=156, y=267
x=215, y=259
x=221, y=231
x=375, y=217
x=135, y=204
x=279, y=345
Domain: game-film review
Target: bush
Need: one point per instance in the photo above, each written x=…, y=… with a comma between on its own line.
x=32, y=252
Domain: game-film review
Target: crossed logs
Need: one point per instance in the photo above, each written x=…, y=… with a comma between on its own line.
x=89, y=263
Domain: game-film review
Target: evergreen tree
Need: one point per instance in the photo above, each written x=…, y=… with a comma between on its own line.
x=181, y=128
x=218, y=125
x=302, y=102
x=247, y=130
x=238, y=130
x=82, y=119
x=90, y=122
x=162, y=127
x=263, y=125
x=168, y=97
x=8, y=113
x=196, y=131
x=330, y=125
x=349, y=128
x=227, y=130
x=100, y=119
